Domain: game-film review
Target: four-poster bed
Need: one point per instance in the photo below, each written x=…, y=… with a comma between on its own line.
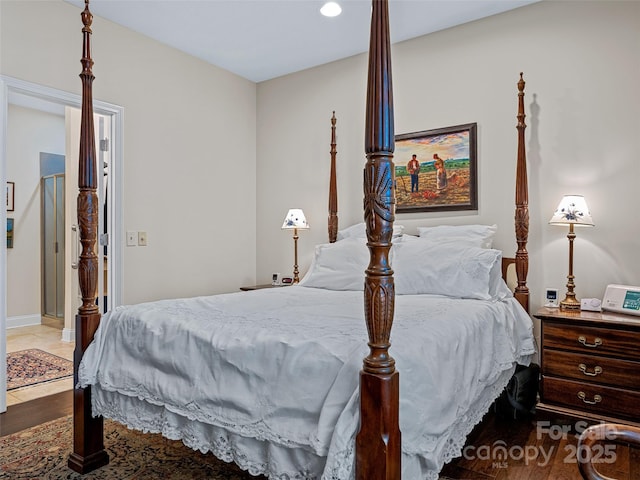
x=312, y=429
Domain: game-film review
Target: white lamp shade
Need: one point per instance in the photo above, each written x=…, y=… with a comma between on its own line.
x=295, y=219
x=572, y=210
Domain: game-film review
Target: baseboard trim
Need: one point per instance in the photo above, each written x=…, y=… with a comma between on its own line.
x=68, y=334
x=24, y=320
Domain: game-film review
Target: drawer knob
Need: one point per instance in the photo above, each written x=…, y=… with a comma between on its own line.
x=596, y=371
x=583, y=396
x=596, y=343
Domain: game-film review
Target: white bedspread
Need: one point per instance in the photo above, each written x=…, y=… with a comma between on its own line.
x=269, y=378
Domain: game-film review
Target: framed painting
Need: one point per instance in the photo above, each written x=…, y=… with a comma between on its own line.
x=9, y=232
x=436, y=170
x=10, y=196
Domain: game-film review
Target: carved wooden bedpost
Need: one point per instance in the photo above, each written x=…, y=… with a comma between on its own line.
x=333, y=191
x=378, y=444
x=522, y=206
x=88, y=447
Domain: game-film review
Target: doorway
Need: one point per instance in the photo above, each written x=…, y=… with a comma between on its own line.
x=15, y=91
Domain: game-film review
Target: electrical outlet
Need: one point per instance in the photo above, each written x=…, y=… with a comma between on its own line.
x=142, y=239
x=132, y=239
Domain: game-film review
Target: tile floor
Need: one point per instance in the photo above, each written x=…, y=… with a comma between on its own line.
x=45, y=338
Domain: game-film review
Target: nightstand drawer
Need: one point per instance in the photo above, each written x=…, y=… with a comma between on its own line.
x=591, y=368
x=593, y=340
x=591, y=397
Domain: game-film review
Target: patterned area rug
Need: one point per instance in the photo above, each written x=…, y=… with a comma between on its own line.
x=41, y=453
x=33, y=366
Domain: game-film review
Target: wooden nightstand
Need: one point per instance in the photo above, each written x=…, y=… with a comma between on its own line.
x=590, y=365
x=259, y=287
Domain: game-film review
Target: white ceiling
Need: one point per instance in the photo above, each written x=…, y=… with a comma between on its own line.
x=264, y=39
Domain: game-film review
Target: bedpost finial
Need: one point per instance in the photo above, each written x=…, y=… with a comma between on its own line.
x=87, y=17
x=521, y=83
x=87, y=20
x=333, y=118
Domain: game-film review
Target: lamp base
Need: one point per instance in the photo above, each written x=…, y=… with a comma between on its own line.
x=570, y=303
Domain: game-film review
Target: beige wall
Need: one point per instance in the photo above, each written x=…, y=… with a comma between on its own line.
x=29, y=132
x=581, y=62
x=191, y=129
x=189, y=145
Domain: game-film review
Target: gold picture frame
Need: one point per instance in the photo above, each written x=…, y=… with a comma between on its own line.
x=436, y=170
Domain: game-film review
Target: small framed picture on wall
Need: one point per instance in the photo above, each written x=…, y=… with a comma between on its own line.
x=10, y=195
x=9, y=232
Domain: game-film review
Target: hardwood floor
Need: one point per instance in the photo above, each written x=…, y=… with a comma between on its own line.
x=34, y=412
x=498, y=449
x=542, y=448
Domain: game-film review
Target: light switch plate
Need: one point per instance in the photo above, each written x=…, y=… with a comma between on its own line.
x=132, y=239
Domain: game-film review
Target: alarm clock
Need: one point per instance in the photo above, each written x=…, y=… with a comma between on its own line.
x=551, y=297
x=286, y=280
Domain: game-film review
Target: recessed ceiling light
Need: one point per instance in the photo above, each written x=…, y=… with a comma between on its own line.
x=331, y=9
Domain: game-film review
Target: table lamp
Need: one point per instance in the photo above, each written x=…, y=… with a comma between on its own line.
x=295, y=220
x=571, y=211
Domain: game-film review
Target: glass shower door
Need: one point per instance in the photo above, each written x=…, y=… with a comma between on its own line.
x=53, y=247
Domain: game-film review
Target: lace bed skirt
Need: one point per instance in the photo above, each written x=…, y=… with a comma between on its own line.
x=276, y=461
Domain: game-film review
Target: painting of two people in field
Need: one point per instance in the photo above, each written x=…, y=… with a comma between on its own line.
x=436, y=169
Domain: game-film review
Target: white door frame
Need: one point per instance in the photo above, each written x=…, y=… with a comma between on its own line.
x=9, y=87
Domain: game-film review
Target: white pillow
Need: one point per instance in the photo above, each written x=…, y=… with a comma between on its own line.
x=359, y=230
x=338, y=266
x=480, y=235
x=426, y=267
